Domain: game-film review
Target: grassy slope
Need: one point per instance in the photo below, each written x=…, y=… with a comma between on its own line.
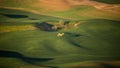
x=31, y=17
x=16, y=3
x=98, y=41
x=85, y=12
x=78, y=12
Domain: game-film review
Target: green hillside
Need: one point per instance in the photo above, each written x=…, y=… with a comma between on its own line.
x=84, y=13
x=19, y=17
x=95, y=42
x=78, y=12
x=82, y=36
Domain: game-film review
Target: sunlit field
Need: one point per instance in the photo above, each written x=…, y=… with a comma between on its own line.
x=79, y=37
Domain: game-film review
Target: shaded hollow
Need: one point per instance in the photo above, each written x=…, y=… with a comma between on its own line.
x=30, y=60
x=15, y=16
x=45, y=26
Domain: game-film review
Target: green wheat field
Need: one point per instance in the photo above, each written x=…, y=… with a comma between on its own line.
x=59, y=34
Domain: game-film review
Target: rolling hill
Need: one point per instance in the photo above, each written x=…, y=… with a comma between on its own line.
x=71, y=9
x=60, y=5
x=90, y=28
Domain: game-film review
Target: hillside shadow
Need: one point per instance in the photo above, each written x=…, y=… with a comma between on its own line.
x=45, y=27
x=30, y=60
x=73, y=34
x=105, y=65
x=80, y=46
x=15, y=15
x=70, y=37
x=33, y=19
x=108, y=2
